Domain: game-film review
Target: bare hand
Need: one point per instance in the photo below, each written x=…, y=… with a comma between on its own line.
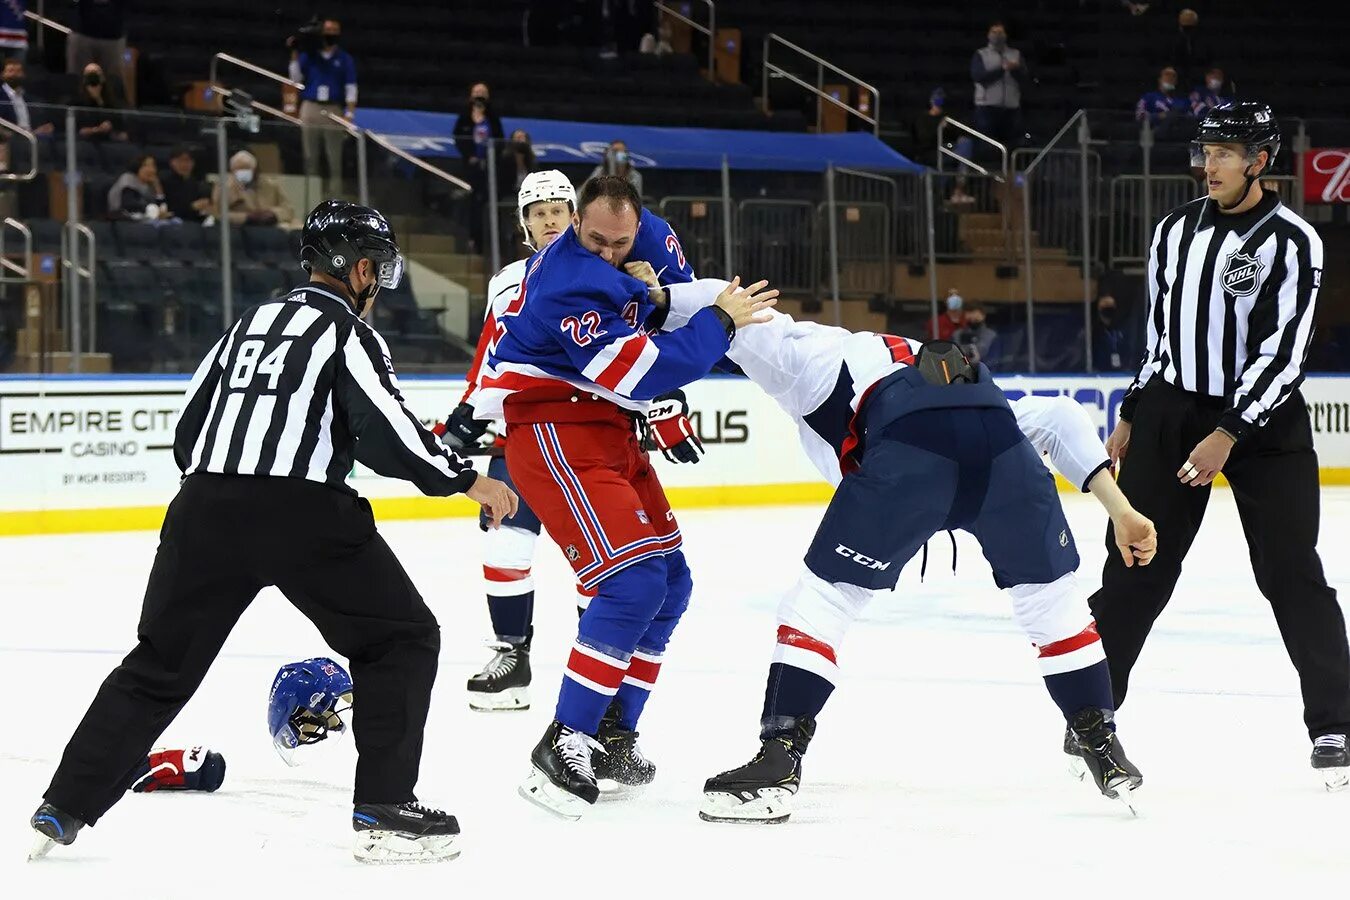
x=497, y=500
x=643, y=271
x=1206, y=460
x=1118, y=443
x=1136, y=538
x=747, y=306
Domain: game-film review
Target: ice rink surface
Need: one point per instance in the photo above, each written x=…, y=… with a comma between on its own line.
x=936, y=771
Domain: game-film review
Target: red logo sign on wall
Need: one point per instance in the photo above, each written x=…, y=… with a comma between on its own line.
x=1326, y=175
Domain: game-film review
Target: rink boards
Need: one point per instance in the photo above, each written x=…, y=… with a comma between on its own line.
x=95, y=453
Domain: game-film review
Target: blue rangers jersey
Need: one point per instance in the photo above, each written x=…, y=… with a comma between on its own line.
x=580, y=324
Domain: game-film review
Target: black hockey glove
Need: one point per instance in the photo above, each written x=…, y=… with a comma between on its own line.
x=461, y=429
x=670, y=428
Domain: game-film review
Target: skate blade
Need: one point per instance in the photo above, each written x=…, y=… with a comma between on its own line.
x=540, y=790
x=41, y=847
x=1125, y=795
x=1335, y=779
x=509, y=700
x=384, y=848
x=767, y=806
x=611, y=790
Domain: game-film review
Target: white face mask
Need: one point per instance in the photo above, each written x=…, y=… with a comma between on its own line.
x=244, y=177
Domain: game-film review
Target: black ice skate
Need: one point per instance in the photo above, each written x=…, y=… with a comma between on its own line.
x=403, y=833
x=1115, y=776
x=562, y=779
x=1331, y=759
x=504, y=683
x=621, y=767
x=53, y=827
x=762, y=789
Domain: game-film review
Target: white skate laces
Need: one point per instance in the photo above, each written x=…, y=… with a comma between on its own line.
x=575, y=748
x=504, y=662
x=1335, y=741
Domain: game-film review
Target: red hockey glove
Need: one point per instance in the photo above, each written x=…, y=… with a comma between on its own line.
x=193, y=769
x=673, y=433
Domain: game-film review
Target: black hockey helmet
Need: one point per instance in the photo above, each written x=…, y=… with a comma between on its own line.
x=1252, y=125
x=337, y=234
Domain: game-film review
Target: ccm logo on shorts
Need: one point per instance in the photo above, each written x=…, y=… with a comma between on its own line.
x=866, y=562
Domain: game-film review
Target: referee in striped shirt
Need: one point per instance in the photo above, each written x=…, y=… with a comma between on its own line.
x=1232, y=280
x=274, y=417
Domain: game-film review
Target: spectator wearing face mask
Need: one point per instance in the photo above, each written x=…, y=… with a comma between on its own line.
x=926, y=128
x=98, y=118
x=138, y=195
x=98, y=35
x=475, y=131
x=945, y=326
x=254, y=199
x=618, y=161
x=1163, y=104
x=329, y=76
x=976, y=339
x=999, y=73
x=14, y=101
x=1110, y=347
x=188, y=197
x=1210, y=94
x=517, y=161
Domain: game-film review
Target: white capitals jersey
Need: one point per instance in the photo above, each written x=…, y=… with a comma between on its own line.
x=819, y=375
x=502, y=289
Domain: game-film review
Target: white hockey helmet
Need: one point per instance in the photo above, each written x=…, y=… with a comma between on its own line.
x=540, y=186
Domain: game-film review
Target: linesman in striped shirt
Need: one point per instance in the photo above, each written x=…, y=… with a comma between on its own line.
x=273, y=419
x=1232, y=281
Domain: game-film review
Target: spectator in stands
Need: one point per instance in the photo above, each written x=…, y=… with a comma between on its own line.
x=618, y=161
x=1163, y=106
x=657, y=44
x=517, y=161
x=999, y=73
x=14, y=100
x=976, y=338
x=137, y=194
x=926, y=128
x=188, y=197
x=1110, y=346
x=1190, y=51
x=99, y=119
x=1210, y=94
x=329, y=76
x=945, y=326
x=13, y=30
x=98, y=35
x=475, y=130
x=254, y=199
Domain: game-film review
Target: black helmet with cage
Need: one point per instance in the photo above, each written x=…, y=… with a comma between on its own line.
x=338, y=234
x=1252, y=125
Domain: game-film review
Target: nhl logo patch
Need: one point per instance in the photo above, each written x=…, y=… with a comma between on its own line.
x=1241, y=274
x=572, y=553
x=642, y=517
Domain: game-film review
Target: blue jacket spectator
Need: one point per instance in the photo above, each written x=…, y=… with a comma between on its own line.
x=1210, y=94
x=14, y=101
x=1164, y=104
x=329, y=76
x=1111, y=351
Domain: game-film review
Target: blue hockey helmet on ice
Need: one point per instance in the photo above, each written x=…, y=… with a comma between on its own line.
x=306, y=705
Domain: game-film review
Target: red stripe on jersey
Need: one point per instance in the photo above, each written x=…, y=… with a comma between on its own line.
x=847, y=462
x=644, y=670
x=794, y=638
x=502, y=576
x=484, y=338
x=899, y=348
x=1080, y=640
x=622, y=364
x=592, y=669
x=585, y=591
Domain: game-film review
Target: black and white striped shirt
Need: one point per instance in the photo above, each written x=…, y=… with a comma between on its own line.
x=298, y=388
x=1231, y=307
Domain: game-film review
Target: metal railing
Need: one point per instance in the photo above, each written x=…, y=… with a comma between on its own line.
x=702, y=225
x=72, y=274
x=32, y=152
x=945, y=152
x=772, y=69
x=43, y=22
x=23, y=272
x=709, y=30
x=1127, y=241
x=778, y=243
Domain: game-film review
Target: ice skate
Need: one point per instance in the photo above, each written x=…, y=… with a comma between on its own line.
x=762, y=789
x=1331, y=759
x=504, y=683
x=392, y=833
x=52, y=827
x=1077, y=768
x=1104, y=755
x=562, y=779
x=621, y=768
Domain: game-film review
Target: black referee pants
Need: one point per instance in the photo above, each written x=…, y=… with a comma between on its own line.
x=224, y=539
x=1273, y=474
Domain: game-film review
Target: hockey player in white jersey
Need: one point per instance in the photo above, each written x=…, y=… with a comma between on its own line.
x=917, y=440
x=546, y=205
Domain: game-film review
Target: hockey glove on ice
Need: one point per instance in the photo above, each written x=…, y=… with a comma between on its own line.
x=670, y=428
x=461, y=429
x=193, y=769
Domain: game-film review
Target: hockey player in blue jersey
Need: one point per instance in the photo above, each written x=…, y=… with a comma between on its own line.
x=578, y=357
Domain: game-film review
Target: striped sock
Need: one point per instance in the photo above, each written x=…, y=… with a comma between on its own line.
x=1075, y=672
x=590, y=681
x=637, y=686
x=801, y=678
x=510, y=598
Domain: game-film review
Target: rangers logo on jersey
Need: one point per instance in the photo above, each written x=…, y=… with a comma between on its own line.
x=1241, y=274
